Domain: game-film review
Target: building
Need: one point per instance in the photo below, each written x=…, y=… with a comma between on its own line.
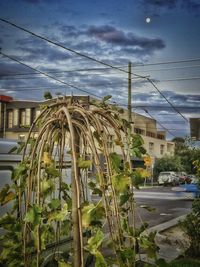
x=195, y=128
x=16, y=117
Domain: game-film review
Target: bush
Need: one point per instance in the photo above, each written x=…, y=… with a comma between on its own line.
x=191, y=225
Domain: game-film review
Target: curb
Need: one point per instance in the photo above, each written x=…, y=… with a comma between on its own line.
x=166, y=225
x=168, y=249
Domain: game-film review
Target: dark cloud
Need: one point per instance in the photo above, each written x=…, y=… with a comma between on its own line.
x=37, y=1
x=188, y=5
x=191, y=5
x=32, y=1
x=110, y=34
x=161, y=3
x=34, y=50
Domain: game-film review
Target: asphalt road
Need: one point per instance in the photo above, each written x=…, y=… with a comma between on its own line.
x=167, y=204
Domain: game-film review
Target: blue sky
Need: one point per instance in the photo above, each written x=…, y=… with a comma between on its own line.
x=114, y=32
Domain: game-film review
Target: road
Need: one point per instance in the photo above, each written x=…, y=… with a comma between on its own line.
x=167, y=205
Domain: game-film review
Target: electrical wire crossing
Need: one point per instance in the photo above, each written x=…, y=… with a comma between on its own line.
x=47, y=75
x=93, y=59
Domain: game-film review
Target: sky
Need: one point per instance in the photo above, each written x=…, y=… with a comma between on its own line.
x=161, y=39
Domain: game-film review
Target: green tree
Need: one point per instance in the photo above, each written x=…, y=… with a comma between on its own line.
x=188, y=153
x=168, y=163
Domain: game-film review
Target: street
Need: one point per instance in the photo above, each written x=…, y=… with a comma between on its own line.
x=167, y=205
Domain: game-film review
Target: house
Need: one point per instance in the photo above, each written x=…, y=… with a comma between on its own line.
x=16, y=117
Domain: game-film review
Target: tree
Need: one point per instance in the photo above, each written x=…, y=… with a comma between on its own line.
x=187, y=152
x=167, y=163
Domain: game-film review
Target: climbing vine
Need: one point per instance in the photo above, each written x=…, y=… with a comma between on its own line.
x=73, y=192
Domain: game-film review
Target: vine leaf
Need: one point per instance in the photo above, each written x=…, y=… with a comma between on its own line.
x=92, y=214
x=64, y=264
x=6, y=195
x=100, y=261
x=124, y=198
x=47, y=186
x=95, y=242
x=34, y=215
x=59, y=215
x=47, y=159
x=136, y=146
x=84, y=164
x=54, y=204
x=115, y=161
x=121, y=182
x=106, y=98
x=52, y=171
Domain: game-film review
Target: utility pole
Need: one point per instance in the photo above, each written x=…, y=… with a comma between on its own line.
x=129, y=93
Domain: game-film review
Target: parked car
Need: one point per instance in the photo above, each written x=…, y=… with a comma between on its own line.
x=193, y=178
x=183, y=177
x=166, y=178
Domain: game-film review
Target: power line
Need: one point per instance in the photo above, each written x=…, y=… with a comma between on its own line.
x=158, y=122
x=166, y=107
x=180, y=79
x=166, y=99
x=93, y=59
x=172, y=68
x=169, y=62
x=47, y=75
x=64, y=47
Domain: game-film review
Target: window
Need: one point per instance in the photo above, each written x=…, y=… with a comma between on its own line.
x=151, y=134
x=162, y=149
x=37, y=113
x=28, y=116
x=151, y=147
x=22, y=120
x=160, y=136
x=10, y=118
x=15, y=117
x=139, y=131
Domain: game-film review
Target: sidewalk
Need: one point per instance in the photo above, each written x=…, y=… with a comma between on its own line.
x=170, y=239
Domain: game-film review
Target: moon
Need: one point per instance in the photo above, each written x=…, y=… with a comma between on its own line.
x=148, y=20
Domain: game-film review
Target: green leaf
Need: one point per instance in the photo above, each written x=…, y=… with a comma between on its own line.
x=136, y=146
x=115, y=161
x=100, y=261
x=91, y=214
x=47, y=187
x=33, y=215
x=106, y=98
x=95, y=242
x=52, y=171
x=54, y=204
x=59, y=215
x=128, y=254
x=6, y=195
x=20, y=171
x=64, y=264
x=47, y=235
x=121, y=182
x=7, y=221
x=84, y=164
x=124, y=198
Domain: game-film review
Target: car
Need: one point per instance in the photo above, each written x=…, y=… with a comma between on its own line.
x=193, y=178
x=183, y=177
x=166, y=178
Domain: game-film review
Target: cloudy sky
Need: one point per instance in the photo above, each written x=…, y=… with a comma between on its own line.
x=161, y=38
